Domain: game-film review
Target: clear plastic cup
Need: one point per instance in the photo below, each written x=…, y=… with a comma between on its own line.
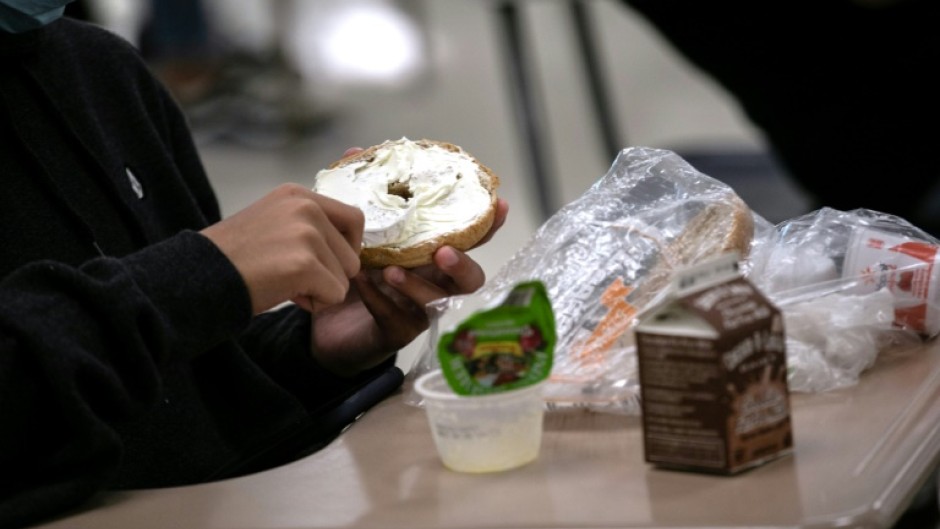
x=485, y=433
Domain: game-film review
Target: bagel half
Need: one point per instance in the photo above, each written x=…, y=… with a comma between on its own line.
x=416, y=197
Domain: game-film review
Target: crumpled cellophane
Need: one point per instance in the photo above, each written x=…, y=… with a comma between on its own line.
x=604, y=258
x=612, y=254
x=840, y=320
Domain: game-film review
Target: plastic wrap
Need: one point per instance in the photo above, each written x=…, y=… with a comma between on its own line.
x=603, y=258
x=850, y=284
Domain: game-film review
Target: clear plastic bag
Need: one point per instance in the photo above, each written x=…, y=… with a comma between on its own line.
x=604, y=258
x=851, y=284
x=612, y=253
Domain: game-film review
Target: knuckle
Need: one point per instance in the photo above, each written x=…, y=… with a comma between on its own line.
x=311, y=209
x=293, y=189
x=298, y=264
x=338, y=293
x=312, y=238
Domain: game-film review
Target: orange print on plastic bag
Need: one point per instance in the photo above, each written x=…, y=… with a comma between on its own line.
x=619, y=317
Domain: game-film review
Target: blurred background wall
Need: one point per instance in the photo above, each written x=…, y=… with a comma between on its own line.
x=277, y=89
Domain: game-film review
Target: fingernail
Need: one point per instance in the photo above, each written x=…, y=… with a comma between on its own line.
x=395, y=275
x=448, y=258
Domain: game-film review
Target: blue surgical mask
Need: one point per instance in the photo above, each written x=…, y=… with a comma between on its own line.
x=17, y=16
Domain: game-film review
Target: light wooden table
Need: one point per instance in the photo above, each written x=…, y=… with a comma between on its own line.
x=860, y=456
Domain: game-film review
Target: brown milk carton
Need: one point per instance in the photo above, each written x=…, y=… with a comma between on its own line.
x=713, y=374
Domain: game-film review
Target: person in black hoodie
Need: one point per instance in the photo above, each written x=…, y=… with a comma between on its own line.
x=144, y=341
x=843, y=90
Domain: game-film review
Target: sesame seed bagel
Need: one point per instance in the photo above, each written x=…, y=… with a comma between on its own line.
x=416, y=197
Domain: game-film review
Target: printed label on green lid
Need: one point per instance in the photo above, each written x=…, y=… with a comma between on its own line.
x=502, y=348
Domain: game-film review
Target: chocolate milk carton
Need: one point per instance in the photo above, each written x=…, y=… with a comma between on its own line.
x=713, y=374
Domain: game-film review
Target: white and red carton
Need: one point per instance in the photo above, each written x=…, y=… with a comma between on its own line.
x=713, y=374
x=906, y=267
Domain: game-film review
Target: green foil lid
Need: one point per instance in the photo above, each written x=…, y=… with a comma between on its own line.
x=502, y=348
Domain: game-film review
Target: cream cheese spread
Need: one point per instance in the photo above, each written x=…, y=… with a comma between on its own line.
x=408, y=193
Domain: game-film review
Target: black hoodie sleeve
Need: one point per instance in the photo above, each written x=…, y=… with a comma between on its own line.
x=81, y=348
x=90, y=348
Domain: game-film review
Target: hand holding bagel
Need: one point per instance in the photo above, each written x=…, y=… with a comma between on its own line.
x=367, y=296
x=385, y=308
